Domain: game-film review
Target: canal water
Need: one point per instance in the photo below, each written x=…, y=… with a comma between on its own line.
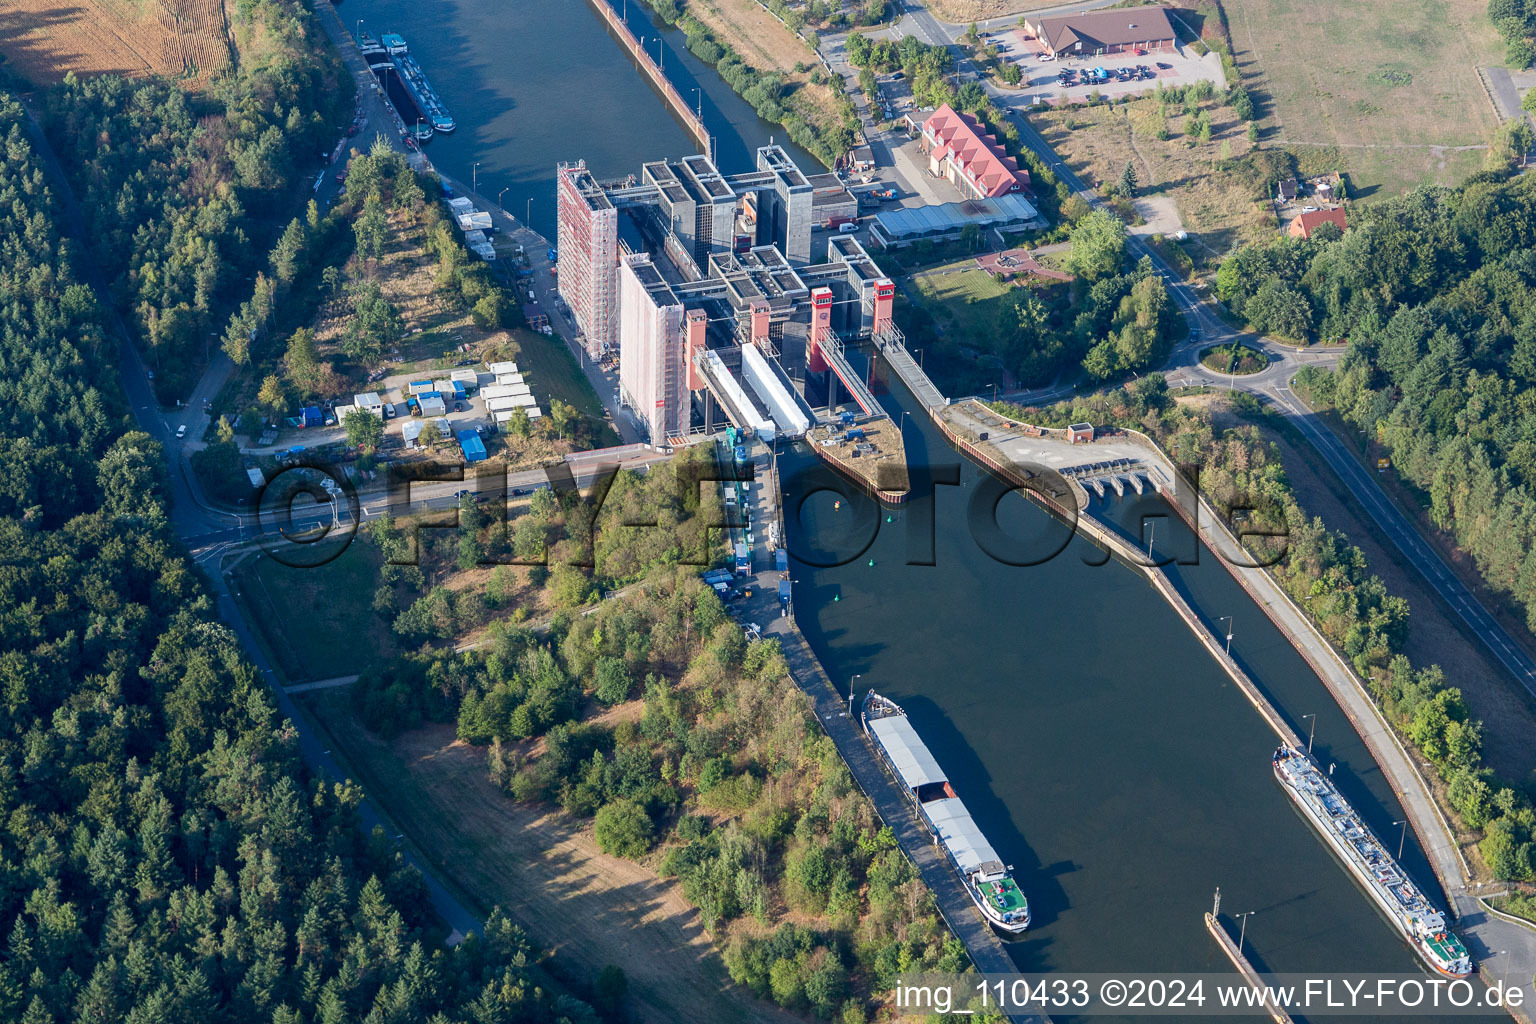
x=1102, y=751
x=531, y=84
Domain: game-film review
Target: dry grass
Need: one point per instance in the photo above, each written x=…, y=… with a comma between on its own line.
x=1218, y=210
x=961, y=12
x=544, y=869
x=407, y=276
x=186, y=40
x=1436, y=636
x=765, y=43
x=1389, y=82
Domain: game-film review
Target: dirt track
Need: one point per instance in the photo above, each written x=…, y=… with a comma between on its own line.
x=546, y=872
x=1509, y=720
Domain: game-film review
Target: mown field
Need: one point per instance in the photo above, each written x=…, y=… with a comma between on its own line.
x=964, y=298
x=1392, y=83
x=186, y=40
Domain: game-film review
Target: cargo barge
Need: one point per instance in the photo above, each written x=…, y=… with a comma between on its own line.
x=989, y=882
x=1382, y=877
x=384, y=69
x=416, y=81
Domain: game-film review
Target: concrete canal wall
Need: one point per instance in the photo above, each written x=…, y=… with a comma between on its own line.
x=1239, y=961
x=955, y=906
x=680, y=107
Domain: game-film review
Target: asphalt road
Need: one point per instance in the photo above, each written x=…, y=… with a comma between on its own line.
x=1270, y=385
x=1513, y=944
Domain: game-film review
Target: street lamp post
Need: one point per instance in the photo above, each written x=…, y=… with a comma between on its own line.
x=1243, y=931
x=475, y=179
x=850, y=691
x=528, y=214
x=1230, y=623
x=1401, y=839
x=499, y=203
x=1151, y=535
x=1312, y=732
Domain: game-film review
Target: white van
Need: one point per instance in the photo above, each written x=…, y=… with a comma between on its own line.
x=848, y=227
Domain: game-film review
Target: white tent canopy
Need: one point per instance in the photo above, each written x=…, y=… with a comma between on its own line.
x=959, y=834
x=913, y=762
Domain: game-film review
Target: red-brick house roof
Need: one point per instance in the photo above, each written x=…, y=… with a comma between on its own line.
x=1306, y=223
x=977, y=154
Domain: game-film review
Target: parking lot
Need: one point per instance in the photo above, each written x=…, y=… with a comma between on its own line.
x=1041, y=74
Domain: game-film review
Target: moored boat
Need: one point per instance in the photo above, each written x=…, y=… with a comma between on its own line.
x=433, y=108
x=1377, y=872
x=988, y=881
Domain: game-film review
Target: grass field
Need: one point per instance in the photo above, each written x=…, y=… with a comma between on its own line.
x=964, y=299
x=553, y=373
x=317, y=623
x=185, y=40
x=543, y=868
x=1218, y=210
x=1391, y=83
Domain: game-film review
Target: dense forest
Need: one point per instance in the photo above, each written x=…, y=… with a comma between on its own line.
x=1347, y=602
x=723, y=778
x=185, y=194
x=165, y=857
x=1436, y=294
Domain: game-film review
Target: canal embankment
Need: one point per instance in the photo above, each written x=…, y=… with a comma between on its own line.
x=832, y=708
x=1250, y=976
x=653, y=72
x=1488, y=935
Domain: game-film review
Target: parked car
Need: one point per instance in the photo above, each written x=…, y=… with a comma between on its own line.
x=1164, y=67
x=1047, y=56
x=181, y=431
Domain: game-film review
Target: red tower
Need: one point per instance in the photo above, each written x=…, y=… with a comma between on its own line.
x=695, y=325
x=885, y=297
x=821, y=329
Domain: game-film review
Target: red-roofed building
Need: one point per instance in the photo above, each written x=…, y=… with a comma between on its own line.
x=1306, y=223
x=960, y=149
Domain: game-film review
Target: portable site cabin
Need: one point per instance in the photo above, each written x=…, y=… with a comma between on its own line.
x=499, y=368
x=432, y=404
x=419, y=387
x=472, y=446
x=467, y=378
x=368, y=400
x=310, y=417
